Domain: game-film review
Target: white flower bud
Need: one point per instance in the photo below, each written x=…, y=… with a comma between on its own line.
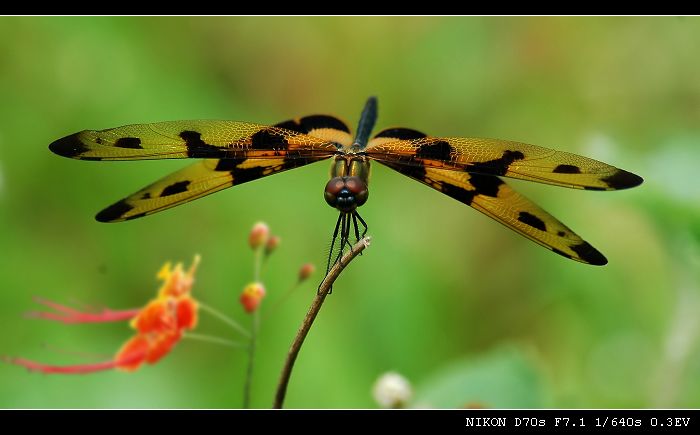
x=392, y=390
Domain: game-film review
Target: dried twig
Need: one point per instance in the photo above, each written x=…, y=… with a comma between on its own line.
x=323, y=290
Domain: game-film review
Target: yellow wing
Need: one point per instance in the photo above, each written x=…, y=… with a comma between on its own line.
x=237, y=151
x=493, y=197
x=195, y=181
x=312, y=136
x=498, y=157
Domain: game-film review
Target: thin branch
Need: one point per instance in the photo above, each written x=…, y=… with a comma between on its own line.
x=224, y=318
x=323, y=290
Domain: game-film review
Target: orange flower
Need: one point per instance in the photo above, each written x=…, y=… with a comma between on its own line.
x=159, y=325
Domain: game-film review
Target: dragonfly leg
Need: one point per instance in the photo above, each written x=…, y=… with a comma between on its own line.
x=344, y=236
x=362, y=221
x=330, y=251
x=343, y=225
x=357, y=231
x=339, y=225
x=347, y=231
x=355, y=218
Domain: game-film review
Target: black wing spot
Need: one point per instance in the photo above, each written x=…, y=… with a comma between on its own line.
x=267, y=140
x=196, y=147
x=497, y=166
x=567, y=169
x=418, y=172
x=489, y=184
x=561, y=233
x=562, y=253
x=146, y=195
x=532, y=220
x=313, y=122
x=485, y=184
x=136, y=216
x=69, y=146
x=241, y=176
x=175, y=188
x=401, y=133
x=114, y=211
x=291, y=162
x=458, y=193
x=128, y=142
x=589, y=254
x=192, y=138
x=440, y=150
x=291, y=125
x=622, y=180
x=512, y=156
x=227, y=164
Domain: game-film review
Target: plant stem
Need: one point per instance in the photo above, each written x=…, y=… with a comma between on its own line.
x=211, y=339
x=316, y=304
x=224, y=318
x=278, y=303
x=253, y=334
x=251, y=359
x=258, y=263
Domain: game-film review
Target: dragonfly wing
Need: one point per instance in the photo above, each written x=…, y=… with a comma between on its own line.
x=193, y=139
x=195, y=181
x=500, y=158
x=493, y=197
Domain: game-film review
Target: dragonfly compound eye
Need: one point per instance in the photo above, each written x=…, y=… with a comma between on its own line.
x=358, y=189
x=346, y=193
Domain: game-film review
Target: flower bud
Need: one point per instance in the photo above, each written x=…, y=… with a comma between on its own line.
x=306, y=271
x=271, y=244
x=252, y=295
x=392, y=390
x=258, y=235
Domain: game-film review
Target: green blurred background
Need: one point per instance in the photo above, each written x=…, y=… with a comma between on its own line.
x=468, y=311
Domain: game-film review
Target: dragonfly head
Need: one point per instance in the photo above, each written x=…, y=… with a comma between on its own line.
x=346, y=193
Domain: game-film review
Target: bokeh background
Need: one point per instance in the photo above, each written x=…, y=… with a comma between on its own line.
x=470, y=312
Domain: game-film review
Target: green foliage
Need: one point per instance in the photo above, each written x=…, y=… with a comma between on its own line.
x=502, y=378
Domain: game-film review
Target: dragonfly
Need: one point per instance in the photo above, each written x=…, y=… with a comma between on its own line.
x=469, y=170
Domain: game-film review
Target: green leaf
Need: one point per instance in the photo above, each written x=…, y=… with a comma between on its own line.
x=502, y=378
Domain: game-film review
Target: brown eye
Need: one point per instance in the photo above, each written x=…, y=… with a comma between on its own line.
x=333, y=188
x=335, y=185
x=359, y=190
x=354, y=185
x=345, y=193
